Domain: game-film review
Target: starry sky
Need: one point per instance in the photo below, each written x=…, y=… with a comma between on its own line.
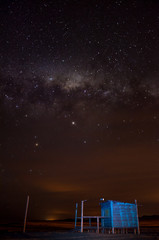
x=79, y=106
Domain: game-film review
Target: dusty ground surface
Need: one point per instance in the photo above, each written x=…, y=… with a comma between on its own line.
x=73, y=235
x=64, y=230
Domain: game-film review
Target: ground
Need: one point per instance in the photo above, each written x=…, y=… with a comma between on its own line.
x=72, y=236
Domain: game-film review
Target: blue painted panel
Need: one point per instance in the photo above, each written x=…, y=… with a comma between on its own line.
x=106, y=212
x=124, y=215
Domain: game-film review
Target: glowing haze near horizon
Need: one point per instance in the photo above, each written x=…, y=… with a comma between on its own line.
x=79, y=106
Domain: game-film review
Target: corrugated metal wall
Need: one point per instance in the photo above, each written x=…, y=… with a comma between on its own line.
x=106, y=212
x=119, y=215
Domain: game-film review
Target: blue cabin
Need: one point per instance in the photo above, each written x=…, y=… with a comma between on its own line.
x=119, y=215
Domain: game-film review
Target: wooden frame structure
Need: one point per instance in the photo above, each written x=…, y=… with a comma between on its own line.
x=96, y=228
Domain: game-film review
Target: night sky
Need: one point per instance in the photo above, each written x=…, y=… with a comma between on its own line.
x=79, y=106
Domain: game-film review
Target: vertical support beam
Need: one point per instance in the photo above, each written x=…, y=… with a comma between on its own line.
x=97, y=224
x=138, y=228
x=26, y=212
x=102, y=214
x=82, y=215
x=89, y=222
x=76, y=215
x=112, y=222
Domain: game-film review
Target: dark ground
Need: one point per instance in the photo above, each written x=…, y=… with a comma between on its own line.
x=72, y=235
x=64, y=230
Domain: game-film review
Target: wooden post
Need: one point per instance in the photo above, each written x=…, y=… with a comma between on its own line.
x=82, y=215
x=26, y=212
x=76, y=215
x=138, y=228
x=82, y=203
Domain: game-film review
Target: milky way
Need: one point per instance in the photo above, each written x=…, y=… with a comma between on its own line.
x=56, y=50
